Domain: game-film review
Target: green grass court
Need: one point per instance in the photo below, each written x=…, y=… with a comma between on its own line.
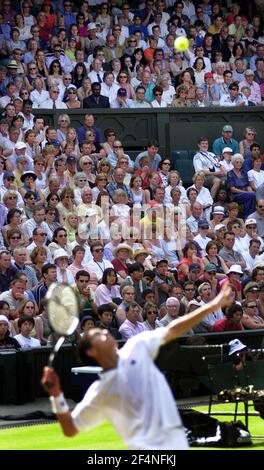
x=104, y=437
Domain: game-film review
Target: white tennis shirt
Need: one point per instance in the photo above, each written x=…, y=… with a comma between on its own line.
x=136, y=398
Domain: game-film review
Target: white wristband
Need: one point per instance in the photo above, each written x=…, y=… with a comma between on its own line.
x=59, y=404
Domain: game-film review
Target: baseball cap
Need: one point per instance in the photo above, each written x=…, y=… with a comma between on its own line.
x=71, y=159
x=195, y=267
x=91, y=26
x=203, y=223
x=20, y=145
x=122, y=92
x=208, y=75
x=235, y=345
x=12, y=64
x=227, y=128
x=72, y=38
x=249, y=72
x=250, y=222
x=249, y=26
x=9, y=174
x=210, y=267
x=227, y=149
x=219, y=210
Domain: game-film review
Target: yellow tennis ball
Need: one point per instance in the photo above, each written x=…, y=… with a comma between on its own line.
x=181, y=43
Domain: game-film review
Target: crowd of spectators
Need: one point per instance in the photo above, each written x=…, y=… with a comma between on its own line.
x=70, y=55
x=138, y=246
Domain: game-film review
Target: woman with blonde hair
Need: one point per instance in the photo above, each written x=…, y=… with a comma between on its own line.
x=64, y=122
x=71, y=225
x=80, y=181
x=71, y=137
x=100, y=185
x=66, y=204
x=85, y=90
x=86, y=165
x=181, y=100
x=174, y=181
x=105, y=167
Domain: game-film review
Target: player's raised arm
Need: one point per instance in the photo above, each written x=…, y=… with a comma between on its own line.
x=179, y=326
x=51, y=383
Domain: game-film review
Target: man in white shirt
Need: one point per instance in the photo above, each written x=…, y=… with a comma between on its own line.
x=109, y=88
x=130, y=376
x=37, y=221
x=99, y=263
x=233, y=98
x=53, y=102
x=209, y=163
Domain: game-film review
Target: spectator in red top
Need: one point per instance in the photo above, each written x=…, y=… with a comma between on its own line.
x=232, y=320
x=122, y=253
x=234, y=274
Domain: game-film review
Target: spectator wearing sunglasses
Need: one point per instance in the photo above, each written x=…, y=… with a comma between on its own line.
x=158, y=102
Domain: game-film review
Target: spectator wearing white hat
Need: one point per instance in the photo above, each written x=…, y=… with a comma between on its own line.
x=20, y=151
x=218, y=214
x=227, y=153
x=61, y=261
x=234, y=277
x=251, y=233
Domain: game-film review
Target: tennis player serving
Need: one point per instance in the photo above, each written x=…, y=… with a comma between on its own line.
x=132, y=393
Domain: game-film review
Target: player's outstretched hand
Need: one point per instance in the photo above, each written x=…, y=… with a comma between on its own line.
x=224, y=298
x=50, y=381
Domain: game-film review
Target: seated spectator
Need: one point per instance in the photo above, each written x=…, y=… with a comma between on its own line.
x=106, y=315
x=122, y=254
x=61, y=261
x=151, y=316
x=234, y=98
x=25, y=326
x=181, y=98
x=210, y=165
x=250, y=319
x=190, y=257
x=87, y=324
x=6, y=340
x=108, y=291
x=240, y=189
x=132, y=326
x=232, y=320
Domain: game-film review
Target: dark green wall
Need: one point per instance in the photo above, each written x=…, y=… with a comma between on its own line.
x=174, y=129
